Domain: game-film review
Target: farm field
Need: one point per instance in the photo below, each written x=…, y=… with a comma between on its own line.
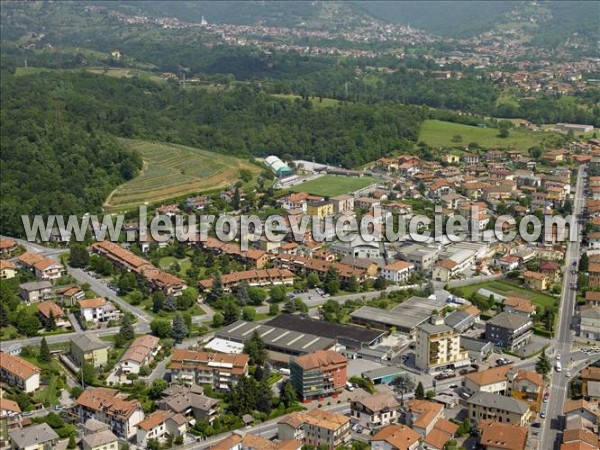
x=174, y=170
x=437, y=133
x=316, y=101
x=109, y=72
x=331, y=185
x=506, y=288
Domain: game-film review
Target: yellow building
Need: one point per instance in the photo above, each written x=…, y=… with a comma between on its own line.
x=7, y=270
x=438, y=346
x=451, y=159
x=87, y=349
x=320, y=209
x=535, y=280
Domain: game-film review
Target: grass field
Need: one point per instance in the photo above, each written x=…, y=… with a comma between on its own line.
x=110, y=72
x=437, y=133
x=506, y=289
x=316, y=101
x=331, y=185
x=174, y=170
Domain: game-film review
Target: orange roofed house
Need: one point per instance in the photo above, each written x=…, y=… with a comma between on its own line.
x=98, y=310
x=48, y=309
x=107, y=406
x=16, y=371
x=319, y=374
x=220, y=370
x=395, y=437
x=502, y=436
x=316, y=427
x=249, y=441
x=141, y=352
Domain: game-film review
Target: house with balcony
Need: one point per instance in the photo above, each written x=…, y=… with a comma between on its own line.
x=374, y=411
x=86, y=348
x=510, y=331
x=16, y=371
x=316, y=427
x=97, y=310
x=318, y=374
x=190, y=403
x=140, y=353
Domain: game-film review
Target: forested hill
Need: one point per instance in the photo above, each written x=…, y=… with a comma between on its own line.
x=50, y=163
x=58, y=156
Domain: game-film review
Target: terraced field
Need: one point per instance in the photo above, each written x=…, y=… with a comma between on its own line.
x=174, y=170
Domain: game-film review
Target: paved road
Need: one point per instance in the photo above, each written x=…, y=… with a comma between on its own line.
x=563, y=340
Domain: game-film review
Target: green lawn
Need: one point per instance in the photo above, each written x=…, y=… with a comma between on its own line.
x=506, y=288
x=316, y=101
x=437, y=133
x=167, y=261
x=331, y=185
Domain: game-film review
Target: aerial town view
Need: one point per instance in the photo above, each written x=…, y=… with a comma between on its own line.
x=300, y=225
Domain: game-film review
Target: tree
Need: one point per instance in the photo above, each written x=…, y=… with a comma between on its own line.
x=244, y=396
x=87, y=373
x=380, y=284
x=353, y=285
x=160, y=328
x=332, y=287
x=278, y=294
x=287, y=394
x=72, y=443
x=245, y=175
x=187, y=298
x=503, y=133
x=126, y=331
x=79, y=256
x=584, y=262
x=420, y=391
x=248, y=313
x=136, y=297
x=313, y=280
x=218, y=320
x=231, y=311
x=257, y=296
x=27, y=323
x=242, y=296
x=180, y=329
x=273, y=309
x=4, y=318
x=126, y=283
x=256, y=349
x=44, y=355
x=542, y=365
x=51, y=322
x=216, y=290
x=156, y=389
x=170, y=304
x=235, y=201
x=158, y=301
x=403, y=384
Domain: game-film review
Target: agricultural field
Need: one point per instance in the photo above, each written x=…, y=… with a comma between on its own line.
x=316, y=101
x=437, y=133
x=109, y=72
x=331, y=185
x=506, y=289
x=172, y=171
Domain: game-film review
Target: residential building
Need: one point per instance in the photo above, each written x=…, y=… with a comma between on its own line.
x=594, y=275
x=219, y=370
x=7, y=270
x=86, y=348
x=516, y=305
x=374, y=411
x=319, y=209
x=443, y=431
x=97, y=436
x=10, y=419
x=395, y=437
x=493, y=380
x=590, y=379
x=502, y=436
x=535, y=280
x=342, y=203
x=48, y=269
x=589, y=323
x=584, y=412
x=69, y=295
x=140, y=353
x=240, y=441
x=316, y=427
x=107, y=406
x=422, y=415
x=398, y=271
x=97, y=310
x=159, y=425
x=499, y=408
x=511, y=331
x=35, y=291
x=478, y=350
x=7, y=246
x=48, y=310
x=592, y=298
x=35, y=437
x=579, y=439
x=260, y=277
x=190, y=403
x=438, y=346
x=526, y=385
x=462, y=319
x=16, y=371
x=319, y=374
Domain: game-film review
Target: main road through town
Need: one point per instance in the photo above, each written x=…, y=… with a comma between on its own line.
x=563, y=340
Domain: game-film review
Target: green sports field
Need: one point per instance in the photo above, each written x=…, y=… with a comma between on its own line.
x=331, y=185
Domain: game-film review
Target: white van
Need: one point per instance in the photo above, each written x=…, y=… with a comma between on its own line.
x=284, y=371
x=349, y=386
x=558, y=366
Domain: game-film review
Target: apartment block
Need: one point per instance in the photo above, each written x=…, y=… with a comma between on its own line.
x=219, y=370
x=319, y=374
x=438, y=346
